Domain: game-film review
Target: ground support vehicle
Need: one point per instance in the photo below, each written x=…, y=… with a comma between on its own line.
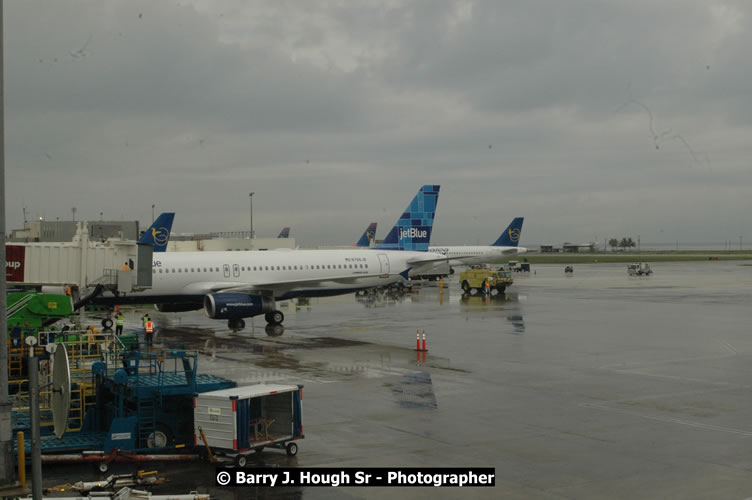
x=639, y=269
x=235, y=422
x=477, y=279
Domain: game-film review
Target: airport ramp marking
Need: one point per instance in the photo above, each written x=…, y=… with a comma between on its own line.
x=671, y=420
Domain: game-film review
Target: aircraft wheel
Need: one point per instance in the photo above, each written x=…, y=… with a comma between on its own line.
x=276, y=317
x=235, y=324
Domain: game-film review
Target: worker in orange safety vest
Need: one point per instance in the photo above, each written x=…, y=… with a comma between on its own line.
x=149, y=329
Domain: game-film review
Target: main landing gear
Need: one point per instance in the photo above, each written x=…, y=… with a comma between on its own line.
x=235, y=324
x=274, y=317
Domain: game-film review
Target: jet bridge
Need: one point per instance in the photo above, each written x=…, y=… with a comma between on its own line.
x=81, y=264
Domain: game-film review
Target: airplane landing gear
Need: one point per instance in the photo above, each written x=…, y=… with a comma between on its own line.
x=235, y=324
x=274, y=317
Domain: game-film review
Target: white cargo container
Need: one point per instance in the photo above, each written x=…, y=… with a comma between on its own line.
x=243, y=419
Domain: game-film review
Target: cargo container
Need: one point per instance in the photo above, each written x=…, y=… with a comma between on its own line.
x=240, y=420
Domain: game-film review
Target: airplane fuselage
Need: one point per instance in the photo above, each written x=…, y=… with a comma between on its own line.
x=183, y=277
x=479, y=254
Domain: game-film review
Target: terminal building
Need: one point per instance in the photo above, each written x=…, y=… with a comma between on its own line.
x=43, y=231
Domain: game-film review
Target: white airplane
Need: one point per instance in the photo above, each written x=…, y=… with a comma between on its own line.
x=498, y=252
x=238, y=285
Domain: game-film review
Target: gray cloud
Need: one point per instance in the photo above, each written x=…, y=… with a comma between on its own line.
x=334, y=113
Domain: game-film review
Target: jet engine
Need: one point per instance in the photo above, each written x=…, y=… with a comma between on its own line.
x=236, y=305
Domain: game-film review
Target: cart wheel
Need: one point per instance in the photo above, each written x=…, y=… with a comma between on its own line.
x=292, y=449
x=241, y=460
x=104, y=467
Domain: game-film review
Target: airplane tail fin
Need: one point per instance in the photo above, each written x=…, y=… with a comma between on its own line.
x=413, y=228
x=368, y=236
x=285, y=233
x=511, y=235
x=158, y=233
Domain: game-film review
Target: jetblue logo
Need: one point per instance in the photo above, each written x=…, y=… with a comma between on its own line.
x=413, y=232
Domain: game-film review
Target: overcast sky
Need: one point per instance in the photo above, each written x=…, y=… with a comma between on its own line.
x=592, y=119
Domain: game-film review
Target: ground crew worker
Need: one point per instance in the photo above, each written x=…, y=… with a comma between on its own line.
x=488, y=285
x=126, y=267
x=149, y=329
x=119, y=322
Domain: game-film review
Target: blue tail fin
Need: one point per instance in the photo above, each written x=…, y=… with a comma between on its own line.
x=511, y=235
x=159, y=233
x=285, y=233
x=413, y=228
x=368, y=236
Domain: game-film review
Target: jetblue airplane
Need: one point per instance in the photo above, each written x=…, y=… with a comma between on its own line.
x=238, y=285
x=285, y=233
x=159, y=232
x=369, y=235
x=505, y=246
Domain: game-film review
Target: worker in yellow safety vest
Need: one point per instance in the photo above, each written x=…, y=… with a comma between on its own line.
x=149, y=329
x=119, y=322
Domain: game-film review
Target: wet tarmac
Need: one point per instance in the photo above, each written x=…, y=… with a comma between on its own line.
x=591, y=385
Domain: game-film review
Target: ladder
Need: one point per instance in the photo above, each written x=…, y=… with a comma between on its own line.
x=146, y=414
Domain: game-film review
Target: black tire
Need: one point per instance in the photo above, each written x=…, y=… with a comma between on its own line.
x=291, y=449
x=241, y=460
x=160, y=438
x=259, y=449
x=107, y=323
x=501, y=289
x=276, y=317
x=103, y=467
x=466, y=287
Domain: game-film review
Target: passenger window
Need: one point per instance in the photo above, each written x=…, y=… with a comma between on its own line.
x=160, y=271
x=154, y=271
x=193, y=270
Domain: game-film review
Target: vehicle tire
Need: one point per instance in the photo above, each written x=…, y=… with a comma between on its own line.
x=107, y=323
x=466, y=287
x=292, y=449
x=160, y=438
x=501, y=289
x=259, y=449
x=103, y=467
x=241, y=460
x=276, y=317
x=241, y=323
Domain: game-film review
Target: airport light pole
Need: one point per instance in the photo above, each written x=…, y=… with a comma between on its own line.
x=250, y=195
x=6, y=440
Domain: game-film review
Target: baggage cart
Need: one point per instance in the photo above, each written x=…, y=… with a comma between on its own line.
x=238, y=421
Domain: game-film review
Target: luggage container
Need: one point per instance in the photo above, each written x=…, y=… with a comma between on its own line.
x=240, y=420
